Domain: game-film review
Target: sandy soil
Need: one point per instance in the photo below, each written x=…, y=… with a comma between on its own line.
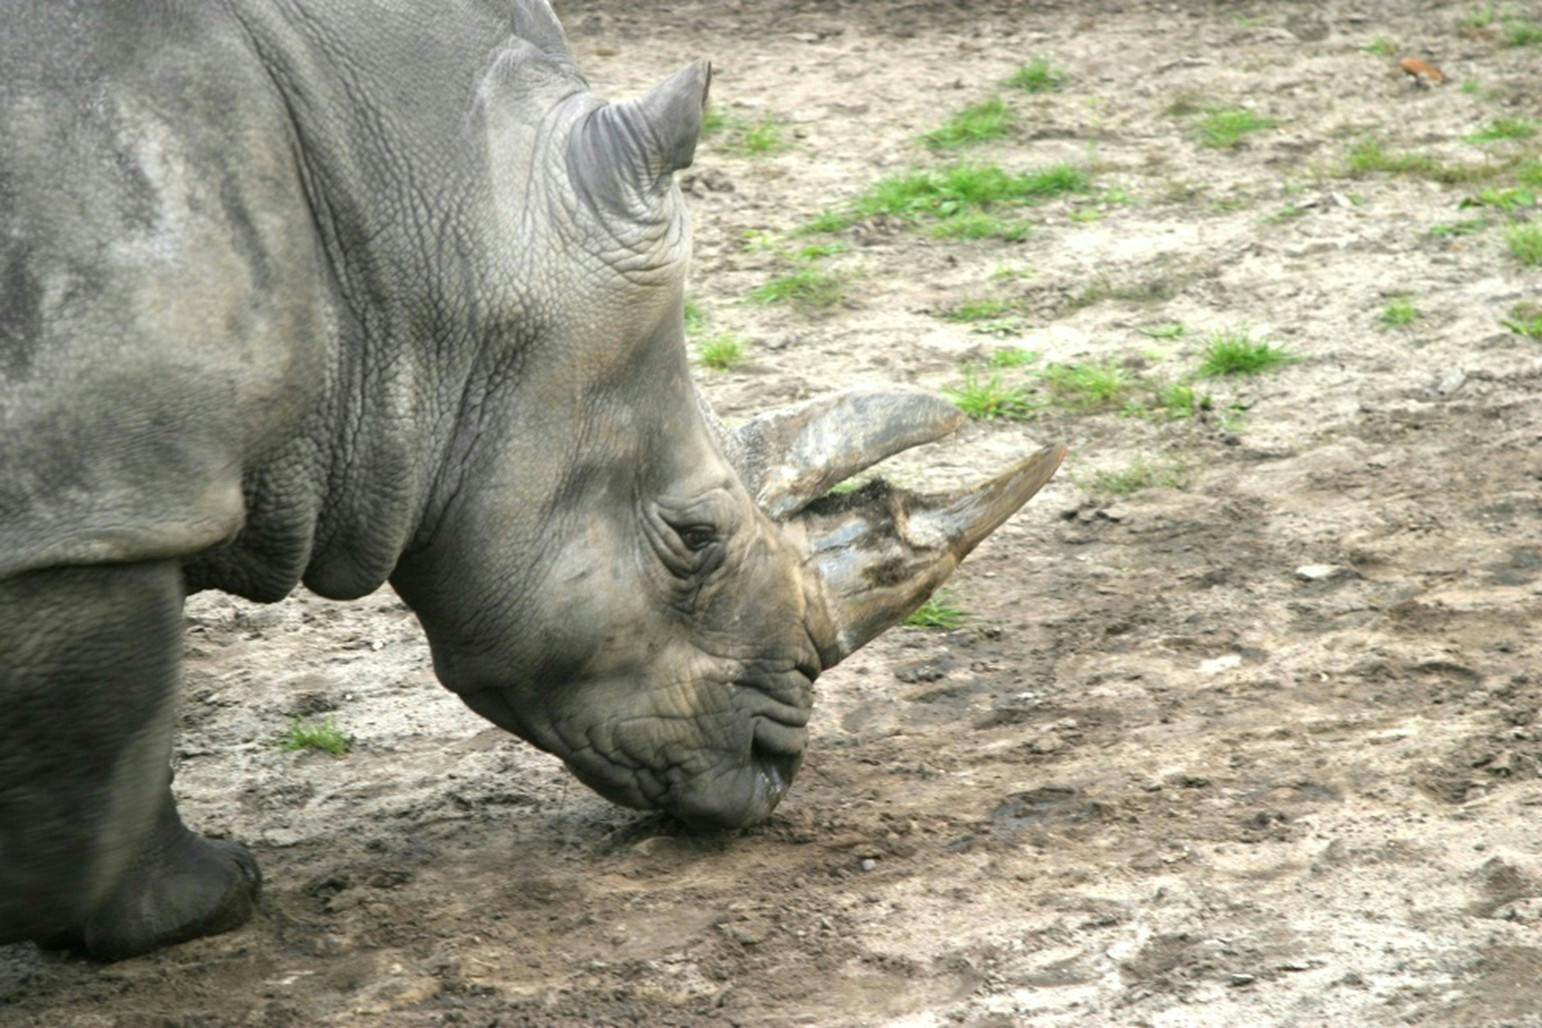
x=1160, y=777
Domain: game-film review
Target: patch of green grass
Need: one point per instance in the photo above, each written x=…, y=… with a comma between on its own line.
x=723, y=352
x=959, y=191
x=1467, y=227
x=1011, y=357
x=815, y=251
x=1010, y=325
x=977, y=123
x=1086, y=387
x=1503, y=128
x=713, y=122
x=806, y=287
x=1525, y=243
x=1139, y=474
x=990, y=398
x=1369, y=157
x=1520, y=32
x=308, y=735
x=1480, y=17
x=982, y=225
x=976, y=310
x=1530, y=173
x=1506, y=200
x=1179, y=400
x=1037, y=76
x=1470, y=87
x=762, y=139
x=1225, y=127
x=1011, y=273
x=937, y=612
x=1381, y=46
x=1170, y=330
x=1289, y=212
x=827, y=221
x=1525, y=320
x=1399, y=313
x=1236, y=352
x=964, y=187
x=695, y=317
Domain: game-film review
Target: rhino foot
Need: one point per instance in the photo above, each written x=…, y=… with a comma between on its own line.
x=181, y=887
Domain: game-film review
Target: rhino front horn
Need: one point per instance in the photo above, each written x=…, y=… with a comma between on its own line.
x=875, y=555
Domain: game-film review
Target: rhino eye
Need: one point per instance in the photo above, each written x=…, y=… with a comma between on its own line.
x=697, y=537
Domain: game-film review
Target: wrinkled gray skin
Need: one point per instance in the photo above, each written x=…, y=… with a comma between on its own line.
x=345, y=293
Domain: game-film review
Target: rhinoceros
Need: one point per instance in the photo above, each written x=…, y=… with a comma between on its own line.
x=359, y=292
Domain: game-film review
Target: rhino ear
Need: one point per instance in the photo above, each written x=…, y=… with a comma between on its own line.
x=536, y=23
x=626, y=152
x=673, y=112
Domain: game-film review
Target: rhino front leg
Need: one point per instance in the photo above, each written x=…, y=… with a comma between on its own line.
x=92, y=853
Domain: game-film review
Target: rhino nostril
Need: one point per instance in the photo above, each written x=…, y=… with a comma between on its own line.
x=772, y=738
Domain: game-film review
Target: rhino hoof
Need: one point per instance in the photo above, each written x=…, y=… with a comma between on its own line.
x=184, y=888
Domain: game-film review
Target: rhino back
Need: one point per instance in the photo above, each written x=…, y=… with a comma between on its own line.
x=162, y=313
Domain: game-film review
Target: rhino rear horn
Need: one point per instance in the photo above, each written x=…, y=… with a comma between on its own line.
x=625, y=153
x=789, y=457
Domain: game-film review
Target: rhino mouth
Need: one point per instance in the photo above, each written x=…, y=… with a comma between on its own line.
x=730, y=776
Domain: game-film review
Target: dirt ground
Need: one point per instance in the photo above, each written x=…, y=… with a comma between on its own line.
x=1259, y=745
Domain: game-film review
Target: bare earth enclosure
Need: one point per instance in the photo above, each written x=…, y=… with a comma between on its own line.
x=1240, y=724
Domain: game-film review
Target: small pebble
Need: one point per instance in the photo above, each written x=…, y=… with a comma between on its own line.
x=1241, y=979
x=869, y=864
x=1320, y=572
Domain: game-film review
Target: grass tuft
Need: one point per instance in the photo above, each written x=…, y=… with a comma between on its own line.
x=1519, y=32
x=828, y=221
x=1037, y=76
x=937, y=612
x=1086, y=387
x=981, y=225
x=1137, y=475
x=1011, y=357
x=763, y=138
x=723, y=352
x=307, y=735
x=1503, y=128
x=1381, y=46
x=695, y=318
x=976, y=310
x=1525, y=243
x=1525, y=320
x=1400, y=313
x=1235, y=352
x=1179, y=400
x=1466, y=227
x=1368, y=156
x=990, y=398
x=960, y=199
x=805, y=287
x=1223, y=128
x=977, y=123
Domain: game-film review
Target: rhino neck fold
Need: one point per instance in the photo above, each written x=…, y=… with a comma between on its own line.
x=395, y=185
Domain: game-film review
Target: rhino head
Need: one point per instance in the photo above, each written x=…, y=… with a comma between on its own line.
x=611, y=573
